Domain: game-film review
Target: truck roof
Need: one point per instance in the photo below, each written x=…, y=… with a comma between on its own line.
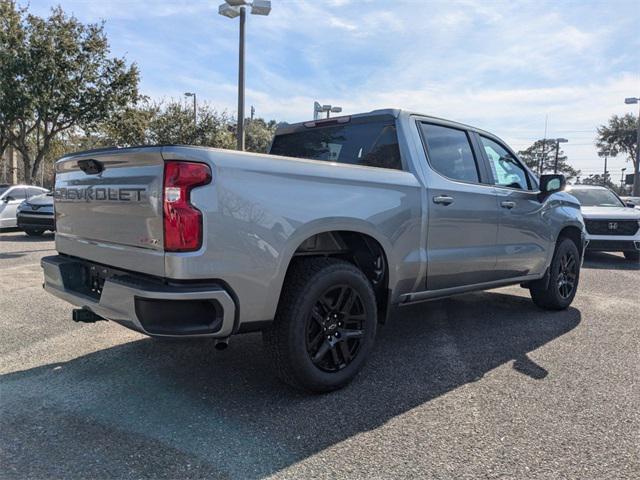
x=394, y=112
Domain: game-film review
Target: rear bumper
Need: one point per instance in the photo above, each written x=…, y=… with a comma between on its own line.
x=46, y=222
x=143, y=303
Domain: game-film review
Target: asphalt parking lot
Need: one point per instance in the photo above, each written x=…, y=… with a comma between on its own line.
x=483, y=385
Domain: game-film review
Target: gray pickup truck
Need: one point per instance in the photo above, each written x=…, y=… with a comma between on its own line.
x=313, y=244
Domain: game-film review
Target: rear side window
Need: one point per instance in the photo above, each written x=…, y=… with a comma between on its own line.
x=449, y=152
x=372, y=144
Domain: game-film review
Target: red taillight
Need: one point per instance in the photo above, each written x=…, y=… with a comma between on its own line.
x=182, y=221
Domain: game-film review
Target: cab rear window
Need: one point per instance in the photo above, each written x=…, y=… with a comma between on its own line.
x=371, y=144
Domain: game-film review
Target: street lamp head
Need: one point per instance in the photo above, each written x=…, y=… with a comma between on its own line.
x=260, y=7
x=228, y=11
x=631, y=100
x=336, y=109
x=189, y=94
x=561, y=140
x=237, y=3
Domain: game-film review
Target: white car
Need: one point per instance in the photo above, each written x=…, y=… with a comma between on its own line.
x=10, y=197
x=612, y=225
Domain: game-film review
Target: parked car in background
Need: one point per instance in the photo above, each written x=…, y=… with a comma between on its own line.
x=612, y=225
x=35, y=215
x=633, y=200
x=10, y=197
x=313, y=244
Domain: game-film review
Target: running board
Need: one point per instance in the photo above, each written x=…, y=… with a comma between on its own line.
x=427, y=295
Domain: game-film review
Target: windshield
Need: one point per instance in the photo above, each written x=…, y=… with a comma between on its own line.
x=596, y=198
x=372, y=144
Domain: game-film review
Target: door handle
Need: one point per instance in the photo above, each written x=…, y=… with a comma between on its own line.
x=443, y=199
x=508, y=204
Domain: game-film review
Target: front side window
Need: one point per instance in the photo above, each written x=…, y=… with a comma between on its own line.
x=507, y=171
x=370, y=144
x=18, y=194
x=449, y=152
x=35, y=191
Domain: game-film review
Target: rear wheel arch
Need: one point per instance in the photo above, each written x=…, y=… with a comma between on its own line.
x=357, y=247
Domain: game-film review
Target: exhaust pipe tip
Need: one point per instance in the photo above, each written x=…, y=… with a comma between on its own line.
x=221, y=344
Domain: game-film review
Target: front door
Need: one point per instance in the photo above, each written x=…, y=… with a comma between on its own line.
x=462, y=211
x=523, y=237
x=9, y=206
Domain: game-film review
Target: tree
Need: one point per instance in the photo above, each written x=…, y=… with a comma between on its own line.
x=619, y=137
x=56, y=75
x=532, y=155
x=259, y=134
x=598, y=179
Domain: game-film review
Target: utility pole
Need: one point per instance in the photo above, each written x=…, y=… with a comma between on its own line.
x=240, y=142
x=636, y=176
x=233, y=9
x=195, y=107
x=622, y=170
x=544, y=145
x=558, y=142
x=604, y=177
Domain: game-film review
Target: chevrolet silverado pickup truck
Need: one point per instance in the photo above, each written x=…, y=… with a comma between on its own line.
x=345, y=220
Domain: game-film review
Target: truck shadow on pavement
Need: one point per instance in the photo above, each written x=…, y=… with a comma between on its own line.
x=608, y=261
x=181, y=410
x=19, y=236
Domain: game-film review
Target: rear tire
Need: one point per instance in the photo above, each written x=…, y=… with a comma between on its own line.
x=634, y=256
x=33, y=232
x=325, y=325
x=564, y=275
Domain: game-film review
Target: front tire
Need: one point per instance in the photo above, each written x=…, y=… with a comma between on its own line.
x=634, y=256
x=564, y=274
x=325, y=325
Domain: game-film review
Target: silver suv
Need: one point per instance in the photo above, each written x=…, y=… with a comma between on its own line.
x=313, y=244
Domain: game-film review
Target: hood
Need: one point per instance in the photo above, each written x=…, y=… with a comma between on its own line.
x=611, y=213
x=41, y=200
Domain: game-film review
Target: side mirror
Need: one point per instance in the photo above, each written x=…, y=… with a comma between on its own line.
x=8, y=198
x=630, y=204
x=551, y=183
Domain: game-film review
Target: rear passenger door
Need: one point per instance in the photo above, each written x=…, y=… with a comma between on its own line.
x=462, y=210
x=523, y=238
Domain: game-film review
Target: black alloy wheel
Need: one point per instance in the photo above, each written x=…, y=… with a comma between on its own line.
x=567, y=274
x=335, y=328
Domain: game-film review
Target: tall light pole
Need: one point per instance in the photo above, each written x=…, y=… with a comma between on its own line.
x=195, y=107
x=622, y=170
x=558, y=142
x=636, y=176
x=604, y=176
x=233, y=9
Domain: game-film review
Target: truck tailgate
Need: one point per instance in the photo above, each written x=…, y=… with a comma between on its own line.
x=108, y=208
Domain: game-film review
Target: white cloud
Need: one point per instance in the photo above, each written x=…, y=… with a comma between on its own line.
x=500, y=65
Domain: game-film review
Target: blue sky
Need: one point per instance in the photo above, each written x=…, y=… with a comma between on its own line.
x=502, y=66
